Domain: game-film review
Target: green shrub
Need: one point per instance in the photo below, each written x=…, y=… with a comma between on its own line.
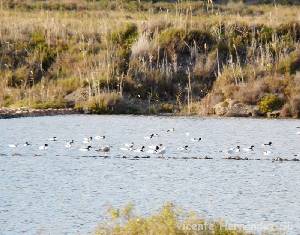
x=68, y=85
x=166, y=108
x=169, y=220
x=125, y=36
x=200, y=38
x=102, y=104
x=270, y=103
x=40, y=104
x=290, y=64
x=172, y=39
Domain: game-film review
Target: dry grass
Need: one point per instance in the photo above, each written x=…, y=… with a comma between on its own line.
x=172, y=53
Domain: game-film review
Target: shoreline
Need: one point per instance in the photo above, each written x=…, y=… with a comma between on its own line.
x=10, y=113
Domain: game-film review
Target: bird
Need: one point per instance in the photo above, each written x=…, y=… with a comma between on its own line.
x=267, y=144
x=231, y=151
x=88, y=140
x=100, y=137
x=85, y=149
x=43, y=147
x=69, y=144
x=150, y=136
x=141, y=150
x=171, y=130
x=13, y=145
x=161, y=151
x=196, y=139
x=131, y=145
x=267, y=153
x=126, y=149
x=249, y=149
x=53, y=139
x=154, y=148
x=184, y=148
x=26, y=144
x=104, y=149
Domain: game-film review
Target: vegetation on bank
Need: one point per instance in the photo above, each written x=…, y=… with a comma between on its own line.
x=130, y=57
x=169, y=220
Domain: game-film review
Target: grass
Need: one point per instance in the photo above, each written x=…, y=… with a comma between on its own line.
x=183, y=57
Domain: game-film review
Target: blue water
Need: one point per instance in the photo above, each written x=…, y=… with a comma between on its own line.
x=65, y=191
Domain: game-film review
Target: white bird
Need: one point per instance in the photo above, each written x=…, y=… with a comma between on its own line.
x=13, y=145
x=126, y=149
x=140, y=150
x=196, y=139
x=267, y=153
x=155, y=147
x=267, y=144
x=150, y=136
x=53, y=139
x=100, y=137
x=233, y=150
x=69, y=144
x=26, y=144
x=131, y=145
x=43, y=147
x=161, y=151
x=87, y=140
x=249, y=149
x=171, y=130
x=184, y=148
x=85, y=149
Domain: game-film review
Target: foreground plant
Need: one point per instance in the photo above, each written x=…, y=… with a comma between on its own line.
x=168, y=221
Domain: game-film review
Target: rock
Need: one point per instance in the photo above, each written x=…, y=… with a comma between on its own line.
x=221, y=108
x=240, y=110
x=274, y=114
x=233, y=108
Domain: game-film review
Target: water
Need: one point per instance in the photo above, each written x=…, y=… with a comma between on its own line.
x=61, y=191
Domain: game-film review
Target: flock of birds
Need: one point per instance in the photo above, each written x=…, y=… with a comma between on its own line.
x=88, y=143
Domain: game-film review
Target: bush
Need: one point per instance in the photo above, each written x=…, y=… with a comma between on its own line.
x=270, y=103
x=290, y=64
x=172, y=39
x=169, y=220
x=295, y=106
x=166, y=108
x=102, y=104
x=40, y=104
x=126, y=36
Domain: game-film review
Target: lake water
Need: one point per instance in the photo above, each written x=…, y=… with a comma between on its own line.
x=65, y=191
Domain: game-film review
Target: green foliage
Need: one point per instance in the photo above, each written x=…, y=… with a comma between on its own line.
x=102, y=104
x=166, y=108
x=200, y=38
x=169, y=220
x=172, y=38
x=39, y=104
x=270, y=103
x=125, y=36
x=290, y=64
